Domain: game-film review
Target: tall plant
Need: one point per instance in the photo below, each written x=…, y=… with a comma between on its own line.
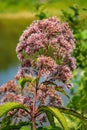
x=32, y=99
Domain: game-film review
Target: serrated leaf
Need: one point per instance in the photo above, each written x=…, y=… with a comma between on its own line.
x=6, y=107
x=56, y=113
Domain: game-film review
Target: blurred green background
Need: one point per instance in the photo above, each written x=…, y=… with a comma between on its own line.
x=15, y=16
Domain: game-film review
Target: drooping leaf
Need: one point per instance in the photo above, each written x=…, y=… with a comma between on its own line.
x=24, y=80
x=56, y=113
x=50, y=118
x=62, y=91
x=74, y=113
x=6, y=107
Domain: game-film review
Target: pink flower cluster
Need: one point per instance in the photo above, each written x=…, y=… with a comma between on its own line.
x=46, y=66
x=11, y=92
x=45, y=33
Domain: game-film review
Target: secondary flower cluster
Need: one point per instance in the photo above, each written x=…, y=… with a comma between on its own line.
x=46, y=95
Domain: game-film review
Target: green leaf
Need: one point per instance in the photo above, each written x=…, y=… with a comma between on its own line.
x=25, y=128
x=56, y=113
x=50, y=128
x=50, y=118
x=22, y=81
x=62, y=91
x=18, y=126
x=21, y=126
x=74, y=113
x=4, y=123
x=6, y=107
x=84, y=34
x=40, y=128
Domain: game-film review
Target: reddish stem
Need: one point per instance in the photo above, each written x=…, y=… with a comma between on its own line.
x=34, y=109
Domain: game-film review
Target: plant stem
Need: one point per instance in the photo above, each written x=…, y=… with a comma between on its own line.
x=33, y=124
x=34, y=105
x=34, y=109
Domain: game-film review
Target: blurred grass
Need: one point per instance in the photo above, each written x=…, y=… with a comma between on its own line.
x=14, y=6
x=10, y=30
x=56, y=7
x=52, y=6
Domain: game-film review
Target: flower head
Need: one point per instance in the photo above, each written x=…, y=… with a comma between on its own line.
x=52, y=43
x=45, y=33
